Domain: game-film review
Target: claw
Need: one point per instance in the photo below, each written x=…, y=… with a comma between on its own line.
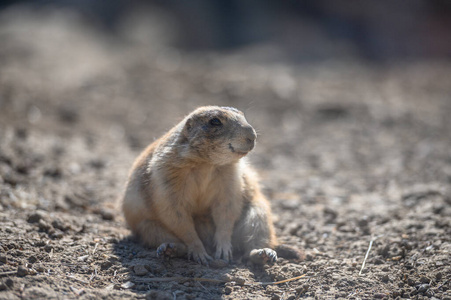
x=225, y=255
x=224, y=251
x=166, y=250
x=200, y=258
x=263, y=256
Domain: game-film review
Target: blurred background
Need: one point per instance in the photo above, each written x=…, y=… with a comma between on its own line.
x=129, y=70
x=300, y=70
x=301, y=30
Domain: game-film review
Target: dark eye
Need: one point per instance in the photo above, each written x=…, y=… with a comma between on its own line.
x=215, y=122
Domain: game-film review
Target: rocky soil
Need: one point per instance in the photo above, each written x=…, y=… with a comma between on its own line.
x=355, y=157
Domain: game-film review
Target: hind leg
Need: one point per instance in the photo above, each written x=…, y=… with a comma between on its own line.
x=253, y=234
x=154, y=235
x=169, y=250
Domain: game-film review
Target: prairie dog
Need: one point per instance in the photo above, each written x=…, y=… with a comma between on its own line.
x=191, y=192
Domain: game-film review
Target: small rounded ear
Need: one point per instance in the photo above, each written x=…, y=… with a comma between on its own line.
x=189, y=125
x=187, y=128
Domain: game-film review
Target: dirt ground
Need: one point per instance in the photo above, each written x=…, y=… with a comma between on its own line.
x=350, y=154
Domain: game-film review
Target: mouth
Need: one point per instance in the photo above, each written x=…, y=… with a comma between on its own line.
x=241, y=153
x=238, y=152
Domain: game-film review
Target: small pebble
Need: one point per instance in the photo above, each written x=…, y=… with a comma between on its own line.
x=40, y=243
x=425, y=280
x=140, y=270
x=363, y=222
x=32, y=259
x=218, y=264
x=39, y=268
x=58, y=224
x=48, y=248
x=438, y=276
x=225, y=277
x=423, y=288
x=44, y=226
x=56, y=235
x=228, y=290
x=97, y=163
x=53, y=172
x=302, y=289
x=22, y=271
x=379, y=295
x=106, y=214
x=68, y=115
x=239, y=280
x=128, y=285
x=3, y=258
x=429, y=293
x=9, y=283
x=35, y=217
x=106, y=265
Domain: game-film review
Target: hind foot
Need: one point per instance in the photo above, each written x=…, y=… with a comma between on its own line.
x=170, y=250
x=263, y=256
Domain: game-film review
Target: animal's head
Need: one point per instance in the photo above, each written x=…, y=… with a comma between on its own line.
x=221, y=135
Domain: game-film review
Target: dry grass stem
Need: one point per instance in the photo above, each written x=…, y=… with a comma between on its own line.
x=7, y=273
x=367, y=253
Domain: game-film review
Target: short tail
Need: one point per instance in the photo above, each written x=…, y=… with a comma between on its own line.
x=289, y=252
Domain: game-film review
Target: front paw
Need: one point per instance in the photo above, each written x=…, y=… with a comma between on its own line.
x=224, y=251
x=263, y=256
x=199, y=255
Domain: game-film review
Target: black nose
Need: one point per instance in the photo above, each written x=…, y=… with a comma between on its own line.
x=250, y=143
x=251, y=134
x=249, y=137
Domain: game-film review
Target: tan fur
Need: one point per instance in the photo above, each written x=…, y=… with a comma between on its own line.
x=193, y=188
